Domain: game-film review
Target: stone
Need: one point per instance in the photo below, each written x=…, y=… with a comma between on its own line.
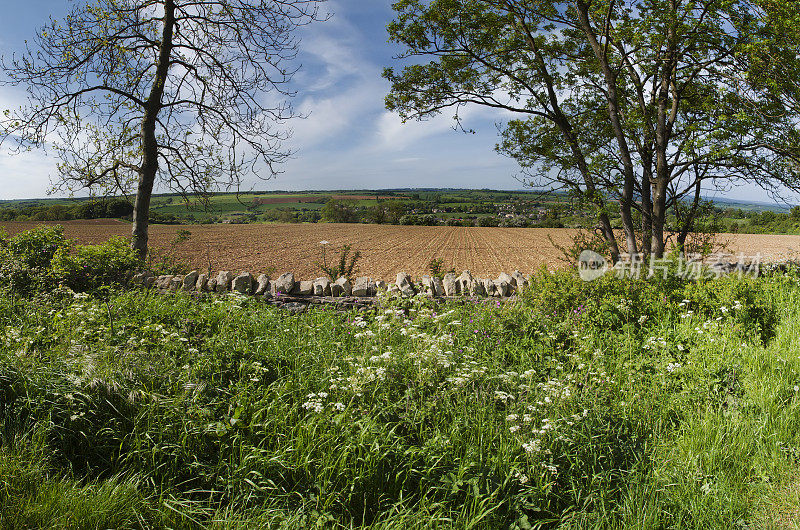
x=176, y=283
x=164, y=281
x=427, y=286
x=243, y=283
x=504, y=277
x=405, y=285
x=285, y=283
x=464, y=283
x=380, y=285
x=322, y=287
x=478, y=288
x=212, y=285
x=149, y=280
x=438, y=287
x=224, y=279
x=502, y=287
x=190, y=281
x=449, y=283
x=295, y=308
x=362, y=286
x=519, y=281
x=305, y=288
x=202, y=283
x=262, y=285
x=344, y=287
x=490, y=288
x=392, y=288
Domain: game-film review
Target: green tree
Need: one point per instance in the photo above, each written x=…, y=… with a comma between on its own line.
x=131, y=91
x=394, y=211
x=338, y=211
x=642, y=102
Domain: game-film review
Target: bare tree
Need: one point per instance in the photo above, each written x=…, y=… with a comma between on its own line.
x=189, y=93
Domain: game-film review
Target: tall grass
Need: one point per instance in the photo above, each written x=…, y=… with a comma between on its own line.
x=613, y=404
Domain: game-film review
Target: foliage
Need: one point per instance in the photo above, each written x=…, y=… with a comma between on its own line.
x=339, y=211
x=640, y=103
x=26, y=257
x=661, y=403
x=89, y=267
x=41, y=259
x=91, y=209
x=342, y=267
x=437, y=269
x=582, y=240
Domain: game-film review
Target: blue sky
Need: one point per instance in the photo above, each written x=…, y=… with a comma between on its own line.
x=349, y=140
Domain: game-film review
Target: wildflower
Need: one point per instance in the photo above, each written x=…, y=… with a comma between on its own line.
x=533, y=446
x=551, y=468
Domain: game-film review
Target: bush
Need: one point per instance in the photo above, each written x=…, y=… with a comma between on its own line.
x=343, y=267
x=25, y=258
x=35, y=248
x=88, y=267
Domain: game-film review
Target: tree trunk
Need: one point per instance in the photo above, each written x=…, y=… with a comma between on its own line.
x=141, y=212
x=689, y=220
x=149, y=167
x=659, y=218
x=647, y=210
x=666, y=114
x=626, y=199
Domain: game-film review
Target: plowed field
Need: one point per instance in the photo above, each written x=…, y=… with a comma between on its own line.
x=385, y=250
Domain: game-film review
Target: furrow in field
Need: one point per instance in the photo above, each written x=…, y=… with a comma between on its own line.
x=386, y=249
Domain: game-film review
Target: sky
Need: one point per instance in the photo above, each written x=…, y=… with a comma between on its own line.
x=348, y=139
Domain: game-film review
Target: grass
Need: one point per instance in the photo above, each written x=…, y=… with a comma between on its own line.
x=613, y=404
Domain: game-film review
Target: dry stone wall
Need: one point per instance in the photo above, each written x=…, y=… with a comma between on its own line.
x=287, y=288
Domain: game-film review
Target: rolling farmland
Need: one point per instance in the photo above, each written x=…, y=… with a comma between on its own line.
x=385, y=249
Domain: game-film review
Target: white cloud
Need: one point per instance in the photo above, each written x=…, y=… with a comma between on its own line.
x=25, y=175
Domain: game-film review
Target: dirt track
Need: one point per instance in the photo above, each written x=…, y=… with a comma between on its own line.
x=386, y=250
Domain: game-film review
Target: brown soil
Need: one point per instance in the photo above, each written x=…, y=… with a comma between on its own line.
x=386, y=250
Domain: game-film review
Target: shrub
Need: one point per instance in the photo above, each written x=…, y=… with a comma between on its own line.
x=25, y=258
x=35, y=248
x=343, y=267
x=437, y=268
x=743, y=298
x=91, y=266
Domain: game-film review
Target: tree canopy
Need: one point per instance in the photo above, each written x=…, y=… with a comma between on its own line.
x=643, y=102
x=189, y=93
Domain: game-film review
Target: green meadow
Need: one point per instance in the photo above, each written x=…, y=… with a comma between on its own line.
x=620, y=403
